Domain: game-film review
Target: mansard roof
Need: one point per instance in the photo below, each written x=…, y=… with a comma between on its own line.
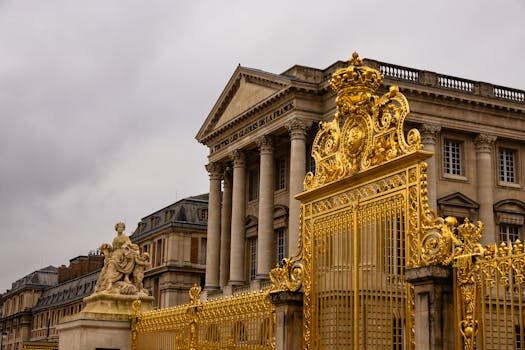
x=185, y=213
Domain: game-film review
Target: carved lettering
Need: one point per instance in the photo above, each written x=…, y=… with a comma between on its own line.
x=253, y=126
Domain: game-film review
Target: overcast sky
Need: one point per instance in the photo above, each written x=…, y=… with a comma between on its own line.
x=100, y=101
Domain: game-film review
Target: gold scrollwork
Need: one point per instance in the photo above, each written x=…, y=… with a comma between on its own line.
x=367, y=130
x=289, y=276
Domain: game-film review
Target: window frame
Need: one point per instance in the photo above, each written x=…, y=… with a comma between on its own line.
x=517, y=234
x=280, y=236
x=253, y=184
x=461, y=153
x=281, y=164
x=516, y=168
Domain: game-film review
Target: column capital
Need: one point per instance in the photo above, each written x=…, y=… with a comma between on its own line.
x=265, y=144
x=429, y=133
x=298, y=127
x=215, y=170
x=239, y=158
x=484, y=143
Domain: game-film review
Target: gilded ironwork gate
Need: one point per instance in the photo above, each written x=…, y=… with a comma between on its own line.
x=360, y=214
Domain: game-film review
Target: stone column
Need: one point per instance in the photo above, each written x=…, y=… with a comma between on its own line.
x=429, y=136
x=434, y=327
x=297, y=129
x=265, y=239
x=214, y=227
x=238, y=217
x=226, y=221
x=485, y=185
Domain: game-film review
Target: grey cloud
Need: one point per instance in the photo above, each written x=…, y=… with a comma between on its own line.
x=100, y=100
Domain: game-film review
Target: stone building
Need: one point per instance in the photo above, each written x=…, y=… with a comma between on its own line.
x=75, y=282
x=17, y=303
x=259, y=135
x=175, y=238
x=36, y=303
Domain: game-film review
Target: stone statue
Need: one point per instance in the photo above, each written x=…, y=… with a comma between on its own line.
x=124, y=266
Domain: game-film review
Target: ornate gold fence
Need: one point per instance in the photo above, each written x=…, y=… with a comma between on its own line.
x=488, y=284
x=244, y=321
x=499, y=278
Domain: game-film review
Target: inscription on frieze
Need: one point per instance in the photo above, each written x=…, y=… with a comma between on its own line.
x=253, y=126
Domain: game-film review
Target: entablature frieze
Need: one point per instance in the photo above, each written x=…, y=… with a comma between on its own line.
x=254, y=125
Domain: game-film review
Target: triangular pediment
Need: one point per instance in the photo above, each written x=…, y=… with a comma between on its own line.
x=246, y=88
x=457, y=200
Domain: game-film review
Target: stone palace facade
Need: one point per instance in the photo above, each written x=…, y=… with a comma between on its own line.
x=259, y=135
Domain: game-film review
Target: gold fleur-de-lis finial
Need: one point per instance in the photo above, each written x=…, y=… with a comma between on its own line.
x=355, y=60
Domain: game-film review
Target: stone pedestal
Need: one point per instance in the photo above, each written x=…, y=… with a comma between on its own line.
x=103, y=324
x=91, y=331
x=289, y=320
x=434, y=307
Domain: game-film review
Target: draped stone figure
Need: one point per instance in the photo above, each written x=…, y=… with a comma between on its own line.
x=124, y=266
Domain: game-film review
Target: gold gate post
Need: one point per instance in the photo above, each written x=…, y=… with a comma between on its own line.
x=433, y=307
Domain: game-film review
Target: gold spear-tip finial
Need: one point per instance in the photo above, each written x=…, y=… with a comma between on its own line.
x=355, y=60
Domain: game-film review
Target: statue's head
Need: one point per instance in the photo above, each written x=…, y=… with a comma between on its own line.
x=120, y=227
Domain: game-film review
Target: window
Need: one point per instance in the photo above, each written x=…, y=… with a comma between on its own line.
x=507, y=165
x=203, y=214
x=452, y=157
x=194, y=250
x=280, y=174
x=203, y=251
x=252, y=246
x=281, y=246
x=509, y=233
x=253, y=185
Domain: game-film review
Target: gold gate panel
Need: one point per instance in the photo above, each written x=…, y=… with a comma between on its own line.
x=361, y=214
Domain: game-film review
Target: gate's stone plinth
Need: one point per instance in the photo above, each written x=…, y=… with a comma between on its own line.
x=434, y=307
x=289, y=320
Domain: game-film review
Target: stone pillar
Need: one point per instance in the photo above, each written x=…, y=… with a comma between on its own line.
x=485, y=185
x=434, y=327
x=297, y=129
x=238, y=217
x=265, y=239
x=214, y=227
x=226, y=225
x=429, y=136
x=289, y=320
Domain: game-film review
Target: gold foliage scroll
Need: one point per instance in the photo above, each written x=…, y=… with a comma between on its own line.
x=366, y=131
